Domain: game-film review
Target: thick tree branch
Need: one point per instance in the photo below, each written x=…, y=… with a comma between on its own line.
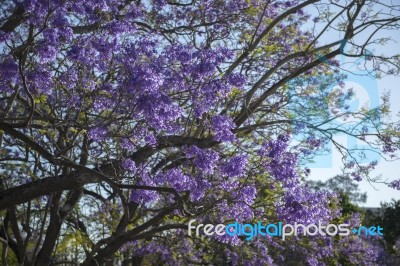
x=14, y=20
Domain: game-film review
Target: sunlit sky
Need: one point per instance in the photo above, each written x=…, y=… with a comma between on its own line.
x=376, y=193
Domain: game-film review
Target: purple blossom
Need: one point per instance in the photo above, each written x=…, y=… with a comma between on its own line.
x=158, y=110
x=144, y=196
x=395, y=184
x=200, y=188
x=237, y=80
x=235, y=167
x=151, y=140
x=204, y=159
x=177, y=179
x=279, y=163
x=129, y=165
x=40, y=81
x=127, y=144
x=304, y=206
x=8, y=74
x=97, y=134
x=222, y=127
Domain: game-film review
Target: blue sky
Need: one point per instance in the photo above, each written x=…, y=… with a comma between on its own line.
x=376, y=192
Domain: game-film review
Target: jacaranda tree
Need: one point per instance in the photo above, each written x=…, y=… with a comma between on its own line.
x=122, y=120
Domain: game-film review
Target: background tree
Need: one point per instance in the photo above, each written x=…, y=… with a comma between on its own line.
x=121, y=121
x=346, y=189
x=388, y=217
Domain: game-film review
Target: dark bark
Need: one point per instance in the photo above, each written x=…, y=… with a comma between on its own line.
x=41, y=187
x=57, y=217
x=14, y=20
x=84, y=175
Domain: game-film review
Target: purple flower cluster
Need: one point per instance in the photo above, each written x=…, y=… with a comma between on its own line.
x=97, y=134
x=177, y=179
x=278, y=162
x=304, y=206
x=222, y=126
x=204, y=159
x=235, y=166
x=395, y=184
x=129, y=165
x=144, y=196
